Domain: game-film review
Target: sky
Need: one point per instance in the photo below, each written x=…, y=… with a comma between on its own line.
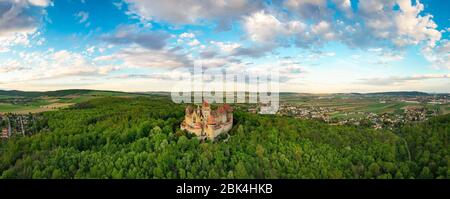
x=319, y=46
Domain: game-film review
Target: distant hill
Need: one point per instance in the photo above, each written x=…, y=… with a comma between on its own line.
x=399, y=93
x=16, y=93
x=61, y=93
x=58, y=93
x=162, y=93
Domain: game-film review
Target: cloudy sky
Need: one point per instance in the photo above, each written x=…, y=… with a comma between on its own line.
x=319, y=46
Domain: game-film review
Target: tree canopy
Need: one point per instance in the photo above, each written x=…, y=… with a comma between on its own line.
x=140, y=138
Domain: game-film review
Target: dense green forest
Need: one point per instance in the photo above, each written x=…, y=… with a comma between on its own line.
x=140, y=138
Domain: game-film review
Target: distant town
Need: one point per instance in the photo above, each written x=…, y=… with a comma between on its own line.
x=392, y=112
x=22, y=124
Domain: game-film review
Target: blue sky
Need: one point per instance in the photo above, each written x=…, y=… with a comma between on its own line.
x=319, y=46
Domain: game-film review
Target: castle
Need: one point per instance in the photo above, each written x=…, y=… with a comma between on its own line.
x=207, y=123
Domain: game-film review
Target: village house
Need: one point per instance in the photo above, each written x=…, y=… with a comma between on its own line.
x=5, y=133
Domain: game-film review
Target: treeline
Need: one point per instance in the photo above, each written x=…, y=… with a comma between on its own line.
x=59, y=93
x=140, y=138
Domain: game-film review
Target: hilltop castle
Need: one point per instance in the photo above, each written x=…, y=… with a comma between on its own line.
x=207, y=123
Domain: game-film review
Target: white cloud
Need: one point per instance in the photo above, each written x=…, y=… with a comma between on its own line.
x=323, y=30
x=268, y=32
x=438, y=56
x=385, y=56
x=90, y=50
x=265, y=28
x=311, y=23
x=194, y=42
x=187, y=35
x=413, y=28
x=226, y=47
x=10, y=66
x=262, y=27
x=64, y=63
x=308, y=24
x=51, y=64
x=344, y=6
x=308, y=9
x=41, y=3
x=82, y=16
x=291, y=72
x=19, y=20
x=405, y=26
x=395, y=23
x=402, y=79
x=189, y=39
x=130, y=34
x=193, y=11
x=4, y=49
x=212, y=62
x=147, y=58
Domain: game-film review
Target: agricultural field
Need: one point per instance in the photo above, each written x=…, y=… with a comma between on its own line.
x=34, y=107
x=354, y=104
x=34, y=102
x=447, y=109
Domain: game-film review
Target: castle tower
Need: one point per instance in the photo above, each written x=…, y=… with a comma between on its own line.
x=188, y=115
x=229, y=112
x=206, y=109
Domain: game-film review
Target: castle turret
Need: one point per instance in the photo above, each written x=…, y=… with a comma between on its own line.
x=206, y=109
x=189, y=110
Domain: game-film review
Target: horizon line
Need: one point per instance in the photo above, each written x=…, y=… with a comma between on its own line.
x=164, y=91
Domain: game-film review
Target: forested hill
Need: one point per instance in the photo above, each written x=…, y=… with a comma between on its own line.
x=399, y=93
x=140, y=138
x=58, y=93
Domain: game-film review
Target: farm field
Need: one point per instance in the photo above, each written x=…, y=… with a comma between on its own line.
x=34, y=102
x=355, y=104
x=447, y=109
